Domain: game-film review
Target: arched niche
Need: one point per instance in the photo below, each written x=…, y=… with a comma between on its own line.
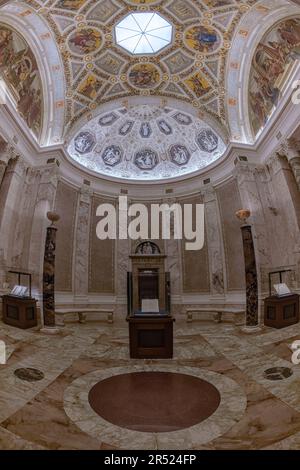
x=31, y=32
x=252, y=29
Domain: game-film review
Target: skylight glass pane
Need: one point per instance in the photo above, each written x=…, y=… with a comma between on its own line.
x=143, y=33
x=143, y=46
x=131, y=44
x=130, y=23
x=126, y=34
x=165, y=34
x=156, y=43
x=157, y=22
x=143, y=19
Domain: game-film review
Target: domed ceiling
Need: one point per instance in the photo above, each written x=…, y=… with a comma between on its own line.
x=98, y=70
x=146, y=142
x=131, y=71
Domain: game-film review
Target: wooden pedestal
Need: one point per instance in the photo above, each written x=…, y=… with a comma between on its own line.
x=19, y=312
x=282, y=311
x=151, y=337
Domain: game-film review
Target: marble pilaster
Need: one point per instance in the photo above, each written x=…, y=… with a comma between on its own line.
x=11, y=195
x=45, y=200
x=82, y=238
x=3, y=271
x=286, y=207
x=123, y=264
x=290, y=149
x=215, y=247
x=5, y=155
x=248, y=176
x=3, y=166
x=21, y=235
x=174, y=264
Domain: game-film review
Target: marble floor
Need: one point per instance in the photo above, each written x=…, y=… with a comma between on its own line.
x=45, y=384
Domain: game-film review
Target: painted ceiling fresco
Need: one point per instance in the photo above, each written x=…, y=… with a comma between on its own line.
x=146, y=142
x=191, y=68
x=273, y=58
x=19, y=70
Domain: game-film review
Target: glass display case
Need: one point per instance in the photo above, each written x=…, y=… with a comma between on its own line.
x=19, y=309
x=148, y=293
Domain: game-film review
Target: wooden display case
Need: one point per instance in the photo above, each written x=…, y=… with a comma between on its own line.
x=281, y=312
x=19, y=312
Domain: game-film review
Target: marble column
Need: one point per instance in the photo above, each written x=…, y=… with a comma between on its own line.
x=81, y=275
x=49, y=275
x=290, y=149
x=252, y=314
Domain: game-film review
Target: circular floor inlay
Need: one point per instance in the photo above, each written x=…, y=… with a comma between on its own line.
x=29, y=375
x=278, y=373
x=154, y=401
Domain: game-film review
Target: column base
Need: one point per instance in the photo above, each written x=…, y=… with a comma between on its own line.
x=50, y=330
x=249, y=330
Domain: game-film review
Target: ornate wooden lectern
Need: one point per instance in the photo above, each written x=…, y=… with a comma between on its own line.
x=151, y=328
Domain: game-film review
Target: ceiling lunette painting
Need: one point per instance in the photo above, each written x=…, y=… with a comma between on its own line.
x=32, y=69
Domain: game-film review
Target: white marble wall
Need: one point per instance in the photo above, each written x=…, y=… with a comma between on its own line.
x=26, y=194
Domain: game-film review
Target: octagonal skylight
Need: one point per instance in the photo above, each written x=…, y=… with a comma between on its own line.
x=143, y=33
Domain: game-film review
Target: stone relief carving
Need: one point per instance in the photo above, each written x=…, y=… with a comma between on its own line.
x=85, y=142
x=112, y=155
x=147, y=248
x=146, y=159
x=207, y=140
x=180, y=155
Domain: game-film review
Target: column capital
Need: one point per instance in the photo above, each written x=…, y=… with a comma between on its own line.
x=16, y=164
x=277, y=162
x=289, y=149
x=170, y=200
x=210, y=194
x=7, y=153
x=86, y=193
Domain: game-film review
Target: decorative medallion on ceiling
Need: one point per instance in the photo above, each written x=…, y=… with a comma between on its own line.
x=187, y=60
x=146, y=142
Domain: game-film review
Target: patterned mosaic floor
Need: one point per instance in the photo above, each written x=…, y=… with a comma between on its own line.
x=44, y=388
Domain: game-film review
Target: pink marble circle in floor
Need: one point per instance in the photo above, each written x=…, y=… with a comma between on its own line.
x=154, y=401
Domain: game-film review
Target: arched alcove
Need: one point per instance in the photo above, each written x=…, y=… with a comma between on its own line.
x=41, y=51
x=252, y=29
